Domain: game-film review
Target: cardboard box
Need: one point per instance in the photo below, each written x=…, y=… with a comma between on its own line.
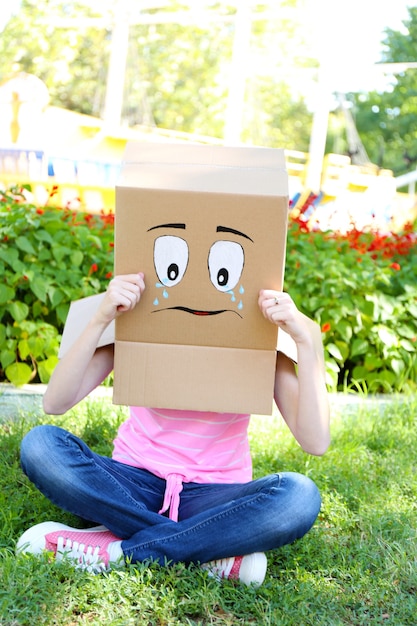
x=207, y=225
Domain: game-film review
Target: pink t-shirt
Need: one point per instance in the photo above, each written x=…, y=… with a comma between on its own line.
x=185, y=446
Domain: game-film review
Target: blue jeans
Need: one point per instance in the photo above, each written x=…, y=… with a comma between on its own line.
x=215, y=520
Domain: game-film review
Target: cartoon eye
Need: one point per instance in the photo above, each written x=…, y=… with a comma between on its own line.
x=226, y=260
x=171, y=259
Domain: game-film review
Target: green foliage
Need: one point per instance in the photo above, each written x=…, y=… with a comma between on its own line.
x=48, y=257
x=178, y=74
x=362, y=289
x=385, y=120
x=358, y=564
x=45, y=39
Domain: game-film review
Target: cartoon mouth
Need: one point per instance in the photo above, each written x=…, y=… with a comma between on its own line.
x=196, y=312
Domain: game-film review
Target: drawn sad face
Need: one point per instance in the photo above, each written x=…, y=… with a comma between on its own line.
x=199, y=275
x=203, y=268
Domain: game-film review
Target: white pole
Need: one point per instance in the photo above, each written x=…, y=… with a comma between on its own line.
x=238, y=74
x=319, y=131
x=113, y=105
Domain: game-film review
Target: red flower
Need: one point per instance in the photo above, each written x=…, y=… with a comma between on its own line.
x=109, y=274
x=40, y=211
x=395, y=266
x=93, y=268
x=326, y=327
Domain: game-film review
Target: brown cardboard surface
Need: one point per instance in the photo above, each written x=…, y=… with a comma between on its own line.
x=195, y=371
x=207, y=226
x=264, y=220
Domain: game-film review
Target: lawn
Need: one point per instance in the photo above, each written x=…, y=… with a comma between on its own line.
x=358, y=565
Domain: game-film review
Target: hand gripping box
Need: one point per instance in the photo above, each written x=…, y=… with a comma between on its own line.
x=207, y=226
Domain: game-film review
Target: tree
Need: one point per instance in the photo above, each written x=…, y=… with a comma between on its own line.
x=386, y=121
x=177, y=75
x=71, y=60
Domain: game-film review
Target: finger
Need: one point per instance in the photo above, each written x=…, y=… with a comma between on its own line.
x=127, y=301
x=133, y=284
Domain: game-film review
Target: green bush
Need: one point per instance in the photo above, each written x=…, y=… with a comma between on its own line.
x=360, y=287
x=48, y=257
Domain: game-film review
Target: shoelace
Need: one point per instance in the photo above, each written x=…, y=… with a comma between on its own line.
x=87, y=557
x=221, y=567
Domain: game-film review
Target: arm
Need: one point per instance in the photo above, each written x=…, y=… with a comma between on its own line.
x=300, y=393
x=85, y=366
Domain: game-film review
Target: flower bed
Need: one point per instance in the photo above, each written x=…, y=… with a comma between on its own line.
x=48, y=257
x=361, y=288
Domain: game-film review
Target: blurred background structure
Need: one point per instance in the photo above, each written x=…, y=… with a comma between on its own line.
x=327, y=81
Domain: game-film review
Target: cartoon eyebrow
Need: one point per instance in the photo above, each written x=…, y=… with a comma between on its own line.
x=167, y=226
x=226, y=229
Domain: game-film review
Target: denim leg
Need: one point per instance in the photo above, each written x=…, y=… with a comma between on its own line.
x=96, y=488
x=229, y=520
x=215, y=521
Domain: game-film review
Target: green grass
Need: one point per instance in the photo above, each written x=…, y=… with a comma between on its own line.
x=358, y=565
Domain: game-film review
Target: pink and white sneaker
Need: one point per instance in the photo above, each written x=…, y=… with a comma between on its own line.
x=92, y=549
x=249, y=569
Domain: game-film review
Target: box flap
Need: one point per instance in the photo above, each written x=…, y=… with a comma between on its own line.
x=79, y=314
x=194, y=378
x=204, y=168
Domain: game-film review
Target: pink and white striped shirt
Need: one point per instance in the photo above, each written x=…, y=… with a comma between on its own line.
x=185, y=446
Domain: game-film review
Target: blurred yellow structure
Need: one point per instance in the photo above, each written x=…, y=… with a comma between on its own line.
x=78, y=158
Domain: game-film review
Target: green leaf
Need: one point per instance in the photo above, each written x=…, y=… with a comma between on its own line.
x=24, y=244
x=56, y=296
x=62, y=312
x=18, y=311
x=332, y=365
x=359, y=373
x=7, y=356
x=39, y=287
x=408, y=345
x=36, y=345
x=46, y=367
x=9, y=255
x=334, y=351
x=344, y=349
x=406, y=331
x=6, y=293
x=77, y=258
x=19, y=373
x=359, y=346
x=60, y=252
x=372, y=362
x=345, y=330
x=24, y=350
x=398, y=366
x=388, y=337
x=43, y=235
x=44, y=255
